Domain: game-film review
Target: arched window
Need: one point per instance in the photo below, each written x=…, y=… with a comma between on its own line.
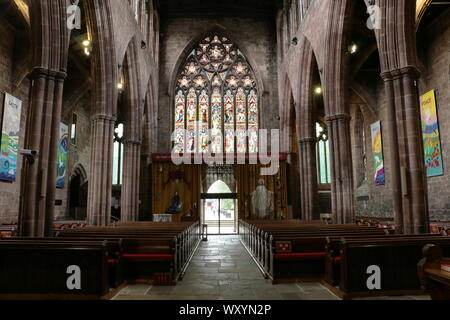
x=118, y=155
x=216, y=100
x=219, y=187
x=323, y=154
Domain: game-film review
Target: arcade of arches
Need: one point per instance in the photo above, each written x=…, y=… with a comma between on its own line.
x=138, y=73
x=106, y=103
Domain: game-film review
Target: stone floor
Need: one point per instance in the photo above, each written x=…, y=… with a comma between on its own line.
x=221, y=269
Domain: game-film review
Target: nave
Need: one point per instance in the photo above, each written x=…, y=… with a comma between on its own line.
x=222, y=269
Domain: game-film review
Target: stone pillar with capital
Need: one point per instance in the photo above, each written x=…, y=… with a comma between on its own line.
x=409, y=187
x=130, y=184
x=308, y=177
x=39, y=179
x=100, y=184
x=342, y=191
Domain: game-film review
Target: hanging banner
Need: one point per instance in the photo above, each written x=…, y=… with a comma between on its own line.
x=377, y=148
x=431, y=137
x=10, y=138
x=63, y=150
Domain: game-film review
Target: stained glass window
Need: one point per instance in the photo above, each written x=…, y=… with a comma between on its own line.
x=323, y=154
x=118, y=155
x=216, y=100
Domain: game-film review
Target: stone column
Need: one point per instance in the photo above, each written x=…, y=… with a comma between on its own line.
x=131, y=181
x=342, y=192
x=409, y=186
x=308, y=177
x=100, y=184
x=39, y=179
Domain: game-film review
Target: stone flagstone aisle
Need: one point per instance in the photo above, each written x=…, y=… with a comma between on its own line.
x=221, y=269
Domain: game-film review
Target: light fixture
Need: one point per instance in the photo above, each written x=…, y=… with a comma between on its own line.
x=353, y=48
x=120, y=86
x=87, y=47
x=318, y=90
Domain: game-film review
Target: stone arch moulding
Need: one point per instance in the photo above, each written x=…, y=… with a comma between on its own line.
x=365, y=96
x=145, y=65
x=188, y=49
x=309, y=65
x=151, y=109
x=286, y=102
x=79, y=170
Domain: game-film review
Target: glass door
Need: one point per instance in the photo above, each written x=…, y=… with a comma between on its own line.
x=219, y=213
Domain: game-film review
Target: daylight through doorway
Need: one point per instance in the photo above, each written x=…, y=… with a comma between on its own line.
x=219, y=209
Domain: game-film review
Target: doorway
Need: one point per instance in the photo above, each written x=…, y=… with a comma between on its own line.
x=78, y=193
x=219, y=209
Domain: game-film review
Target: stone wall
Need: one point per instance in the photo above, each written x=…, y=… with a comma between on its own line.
x=372, y=200
x=434, y=51
x=79, y=152
x=434, y=44
x=10, y=191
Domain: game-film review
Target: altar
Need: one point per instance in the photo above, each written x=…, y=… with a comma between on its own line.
x=162, y=218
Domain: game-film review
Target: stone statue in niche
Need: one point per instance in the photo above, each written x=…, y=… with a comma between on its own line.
x=262, y=201
x=176, y=205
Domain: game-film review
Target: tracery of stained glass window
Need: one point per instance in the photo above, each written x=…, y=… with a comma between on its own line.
x=216, y=100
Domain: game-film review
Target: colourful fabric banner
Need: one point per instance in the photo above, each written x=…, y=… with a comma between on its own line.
x=10, y=138
x=63, y=149
x=431, y=138
x=378, y=160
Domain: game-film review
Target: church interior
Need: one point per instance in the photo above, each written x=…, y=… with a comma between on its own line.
x=237, y=150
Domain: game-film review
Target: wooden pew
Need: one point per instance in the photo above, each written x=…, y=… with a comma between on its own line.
x=433, y=279
x=149, y=248
x=32, y=269
x=7, y=230
x=305, y=258
x=114, y=254
x=396, y=258
x=294, y=250
x=333, y=245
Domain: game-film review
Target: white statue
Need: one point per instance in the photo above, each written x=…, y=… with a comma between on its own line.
x=262, y=203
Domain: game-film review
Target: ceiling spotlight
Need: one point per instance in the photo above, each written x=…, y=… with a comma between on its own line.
x=120, y=86
x=86, y=43
x=353, y=48
x=318, y=90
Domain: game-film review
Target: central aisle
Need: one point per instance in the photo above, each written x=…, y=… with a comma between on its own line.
x=221, y=269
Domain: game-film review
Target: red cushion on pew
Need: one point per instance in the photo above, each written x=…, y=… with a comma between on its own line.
x=305, y=255
x=337, y=260
x=147, y=257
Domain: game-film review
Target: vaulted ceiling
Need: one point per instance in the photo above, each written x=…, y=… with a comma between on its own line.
x=210, y=8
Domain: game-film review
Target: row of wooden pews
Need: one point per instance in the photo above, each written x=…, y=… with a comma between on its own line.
x=105, y=258
x=290, y=250
x=434, y=272
x=8, y=230
x=343, y=257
